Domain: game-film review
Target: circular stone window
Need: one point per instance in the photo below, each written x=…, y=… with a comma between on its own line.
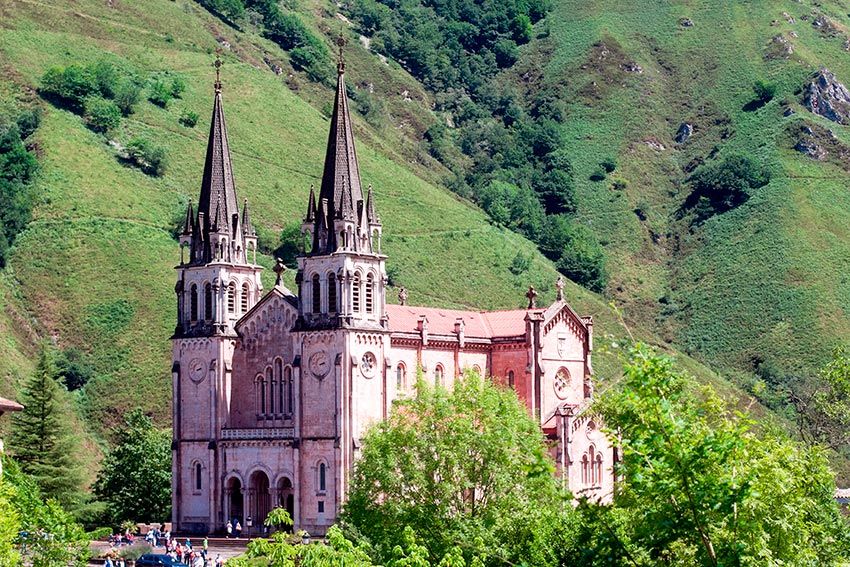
x=368, y=365
x=562, y=383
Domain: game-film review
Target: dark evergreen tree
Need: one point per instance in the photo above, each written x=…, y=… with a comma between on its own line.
x=42, y=440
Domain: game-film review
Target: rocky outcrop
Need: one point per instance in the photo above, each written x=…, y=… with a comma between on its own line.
x=826, y=96
x=684, y=133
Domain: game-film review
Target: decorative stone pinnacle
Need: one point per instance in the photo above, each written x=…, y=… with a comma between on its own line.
x=402, y=296
x=279, y=269
x=559, y=285
x=532, y=297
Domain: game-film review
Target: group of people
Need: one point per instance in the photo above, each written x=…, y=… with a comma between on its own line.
x=154, y=536
x=186, y=553
x=233, y=527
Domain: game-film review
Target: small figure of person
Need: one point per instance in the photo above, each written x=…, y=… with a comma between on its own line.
x=120, y=562
x=108, y=562
x=206, y=545
x=238, y=529
x=229, y=529
x=219, y=562
x=188, y=543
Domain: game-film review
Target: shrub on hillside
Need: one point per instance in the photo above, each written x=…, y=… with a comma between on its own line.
x=311, y=61
x=178, y=85
x=147, y=155
x=101, y=115
x=17, y=168
x=764, y=90
x=230, y=10
x=189, y=118
x=583, y=259
x=159, y=93
x=69, y=86
x=721, y=186
x=127, y=95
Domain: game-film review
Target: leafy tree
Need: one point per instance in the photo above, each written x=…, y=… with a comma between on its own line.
x=147, y=155
x=823, y=404
x=127, y=95
x=230, y=10
x=700, y=487
x=462, y=467
x=74, y=368
x=290, y=244
x=506, y=52
x=101, y=115
x=159, y=93
x=70, y=85
x=764, y=90
x=178, y=85
x=48, y=534
x=582, y=258
x=17, y=167
x=135, y=480
x=557, y=191
x=721, y=186
x=41, y=440
x=189, y=118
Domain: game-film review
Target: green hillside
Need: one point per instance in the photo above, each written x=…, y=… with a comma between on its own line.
x=763, y=284
x=93, y=270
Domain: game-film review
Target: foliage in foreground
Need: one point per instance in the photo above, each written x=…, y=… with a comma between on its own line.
x=41, y=530
x=700, y=487
x=135, y=480
x=466, y=470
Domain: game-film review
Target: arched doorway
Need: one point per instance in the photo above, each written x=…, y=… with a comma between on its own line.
x=286, y=498
x=260, y=500
x=235, y=501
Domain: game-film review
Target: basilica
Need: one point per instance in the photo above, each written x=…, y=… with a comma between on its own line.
x=273, y=391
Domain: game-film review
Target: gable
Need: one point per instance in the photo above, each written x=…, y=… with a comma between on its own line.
x=276, y=311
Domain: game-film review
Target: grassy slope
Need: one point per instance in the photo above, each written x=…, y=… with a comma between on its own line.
x=767, y=280
x=94, y=267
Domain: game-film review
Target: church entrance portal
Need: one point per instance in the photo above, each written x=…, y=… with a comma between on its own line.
x=233, y=494
x=286, y=498
x=260, y=504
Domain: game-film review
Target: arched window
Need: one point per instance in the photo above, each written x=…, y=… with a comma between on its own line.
x=591, y=454
x=273, y=397
x=287, y=390
x=322, y=477
x=317, y=294
x=399, y=376
x=268, y=385
x=370, y=294
x=511, y=380
x=259, y=385
x=198, y=476
x=438, y=375
x=193, y=303
x=598, y=469
x=208, y=302
x=277, y=387
x=584, y=469
x=231, y=297
x=331, y=293
x=355, y=293
x=243, y=304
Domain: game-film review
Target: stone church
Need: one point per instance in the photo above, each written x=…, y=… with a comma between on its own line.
x=274, y=391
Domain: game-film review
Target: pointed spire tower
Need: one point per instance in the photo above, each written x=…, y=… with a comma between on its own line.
x=221, y=241
x=345, y=232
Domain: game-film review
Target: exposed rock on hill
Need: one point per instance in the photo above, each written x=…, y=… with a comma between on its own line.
x=828, y=97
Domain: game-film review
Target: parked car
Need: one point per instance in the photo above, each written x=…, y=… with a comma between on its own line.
x=158, y=560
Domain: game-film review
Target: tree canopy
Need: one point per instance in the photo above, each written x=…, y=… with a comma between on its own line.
x=135, y=480
x=700, y=486
x=465, y=469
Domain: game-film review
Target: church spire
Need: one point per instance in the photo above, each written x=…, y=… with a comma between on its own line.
x=218, y=201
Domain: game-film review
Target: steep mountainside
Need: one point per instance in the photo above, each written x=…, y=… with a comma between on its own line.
x=93, y=270
x=763, y=286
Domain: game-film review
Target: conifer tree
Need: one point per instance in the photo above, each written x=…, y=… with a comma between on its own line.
x=41, y=439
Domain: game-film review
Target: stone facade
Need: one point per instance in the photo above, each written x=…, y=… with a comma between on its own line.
x=273, y=393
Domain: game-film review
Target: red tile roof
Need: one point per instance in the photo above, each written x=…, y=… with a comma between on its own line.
x=9, y=405
x=478, y=324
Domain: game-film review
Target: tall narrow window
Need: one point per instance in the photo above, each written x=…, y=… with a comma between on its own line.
x=584, y=465
x=198, y=476
x=399, y=376
x=511, y=379
x=598, y=469
x=244, y=299
x=193, y=303
x=591, y=453
x=322, y=475
x=268, y=387
x=370, y=294
x=208, y=302
x=287, y=379
x=331, y=293
x=317, y=294
x=259, y=384
x=231, y=297
x=278, y=391
x=438, y=375
x=273, y=397
x=355, y=293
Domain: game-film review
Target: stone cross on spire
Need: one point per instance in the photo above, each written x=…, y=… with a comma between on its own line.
x=217, y=64
x=340, y=66
x=559, y=285
x=531, y=294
